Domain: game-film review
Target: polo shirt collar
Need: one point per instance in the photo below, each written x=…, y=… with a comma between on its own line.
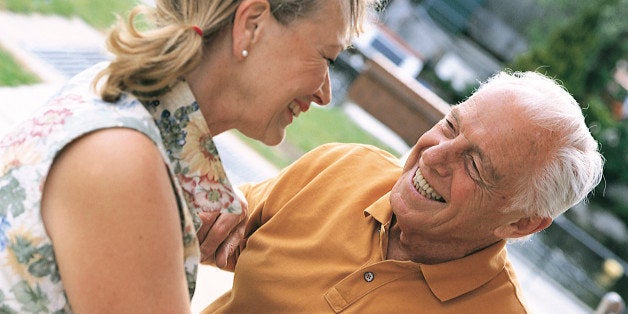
x=454, y=278
x=380, y=210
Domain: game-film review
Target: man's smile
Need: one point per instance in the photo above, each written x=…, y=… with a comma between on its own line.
x=424, y=188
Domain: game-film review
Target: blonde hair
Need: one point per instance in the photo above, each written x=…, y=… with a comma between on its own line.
x=147, y=63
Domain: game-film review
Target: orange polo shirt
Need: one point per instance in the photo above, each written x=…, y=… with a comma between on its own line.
x=317, y=242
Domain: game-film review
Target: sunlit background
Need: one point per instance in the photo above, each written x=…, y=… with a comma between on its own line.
x=416, y=56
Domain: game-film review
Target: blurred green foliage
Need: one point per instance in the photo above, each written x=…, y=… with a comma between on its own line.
x=581, y=46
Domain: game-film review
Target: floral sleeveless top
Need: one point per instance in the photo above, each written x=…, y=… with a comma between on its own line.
x=29, y=277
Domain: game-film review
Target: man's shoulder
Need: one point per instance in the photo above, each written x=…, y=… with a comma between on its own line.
x=342, y=163
x=352, y=152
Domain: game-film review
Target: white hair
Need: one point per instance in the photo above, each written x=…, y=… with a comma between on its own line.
x=574, y=167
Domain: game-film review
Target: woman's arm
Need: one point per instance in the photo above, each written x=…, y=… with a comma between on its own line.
x=110, y=209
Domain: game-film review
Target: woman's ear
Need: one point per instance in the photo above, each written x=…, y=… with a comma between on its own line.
x=249, y=20
x=522, y=227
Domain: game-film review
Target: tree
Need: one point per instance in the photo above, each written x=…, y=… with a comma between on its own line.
x=582, y=52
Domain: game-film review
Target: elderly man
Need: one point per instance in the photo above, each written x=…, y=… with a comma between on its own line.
x=345, y=229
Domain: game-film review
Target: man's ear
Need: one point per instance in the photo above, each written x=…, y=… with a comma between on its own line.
x=522, y=227
x=248, y=21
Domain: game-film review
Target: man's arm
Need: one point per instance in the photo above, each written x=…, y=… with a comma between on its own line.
x=290, y=181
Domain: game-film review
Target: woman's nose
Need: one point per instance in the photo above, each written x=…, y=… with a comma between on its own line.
x=323, y=95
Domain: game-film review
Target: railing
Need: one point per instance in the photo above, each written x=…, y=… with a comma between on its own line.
x=576, y=261
x=397, y=100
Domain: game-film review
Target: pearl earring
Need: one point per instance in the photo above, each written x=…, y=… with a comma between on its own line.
x=245, y=53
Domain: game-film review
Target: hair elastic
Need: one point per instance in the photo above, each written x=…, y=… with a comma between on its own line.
x=198, y=30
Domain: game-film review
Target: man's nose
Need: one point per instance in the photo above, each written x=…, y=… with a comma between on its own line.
x=323, y=95
x=439, y=159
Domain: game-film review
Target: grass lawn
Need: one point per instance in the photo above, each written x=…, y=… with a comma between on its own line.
x=12, y=74
x=318, y=126
x=99, y=14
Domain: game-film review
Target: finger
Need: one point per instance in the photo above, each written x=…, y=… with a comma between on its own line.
x=218, y=232
x=228, y=251
x=224, y=256
x=208, y=220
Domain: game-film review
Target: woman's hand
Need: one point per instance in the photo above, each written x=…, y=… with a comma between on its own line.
x=221, y=234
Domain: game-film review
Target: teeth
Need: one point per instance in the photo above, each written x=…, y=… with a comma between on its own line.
x=295, y=109
x=424, y=188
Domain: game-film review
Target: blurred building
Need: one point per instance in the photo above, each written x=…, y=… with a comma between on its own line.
x=465, y=40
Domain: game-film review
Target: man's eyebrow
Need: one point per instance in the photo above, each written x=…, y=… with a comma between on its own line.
x=486, y=162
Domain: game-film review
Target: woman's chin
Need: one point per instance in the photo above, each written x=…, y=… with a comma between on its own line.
x=274, y=139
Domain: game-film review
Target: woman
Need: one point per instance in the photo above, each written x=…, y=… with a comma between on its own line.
x=99, y=188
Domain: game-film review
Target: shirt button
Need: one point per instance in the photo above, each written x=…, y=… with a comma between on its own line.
x=369, y=276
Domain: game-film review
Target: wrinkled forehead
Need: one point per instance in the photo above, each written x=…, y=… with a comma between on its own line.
x=500, y=126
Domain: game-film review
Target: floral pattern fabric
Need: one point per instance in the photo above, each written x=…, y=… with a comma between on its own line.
x=29, y=277
x=193, y=153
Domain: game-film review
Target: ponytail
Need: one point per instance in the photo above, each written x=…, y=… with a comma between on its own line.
x=147, y=63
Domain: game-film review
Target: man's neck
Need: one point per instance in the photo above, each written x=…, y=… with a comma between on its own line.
x=430, y=252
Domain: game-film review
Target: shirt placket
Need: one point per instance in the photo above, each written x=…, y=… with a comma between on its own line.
x=364, y=281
